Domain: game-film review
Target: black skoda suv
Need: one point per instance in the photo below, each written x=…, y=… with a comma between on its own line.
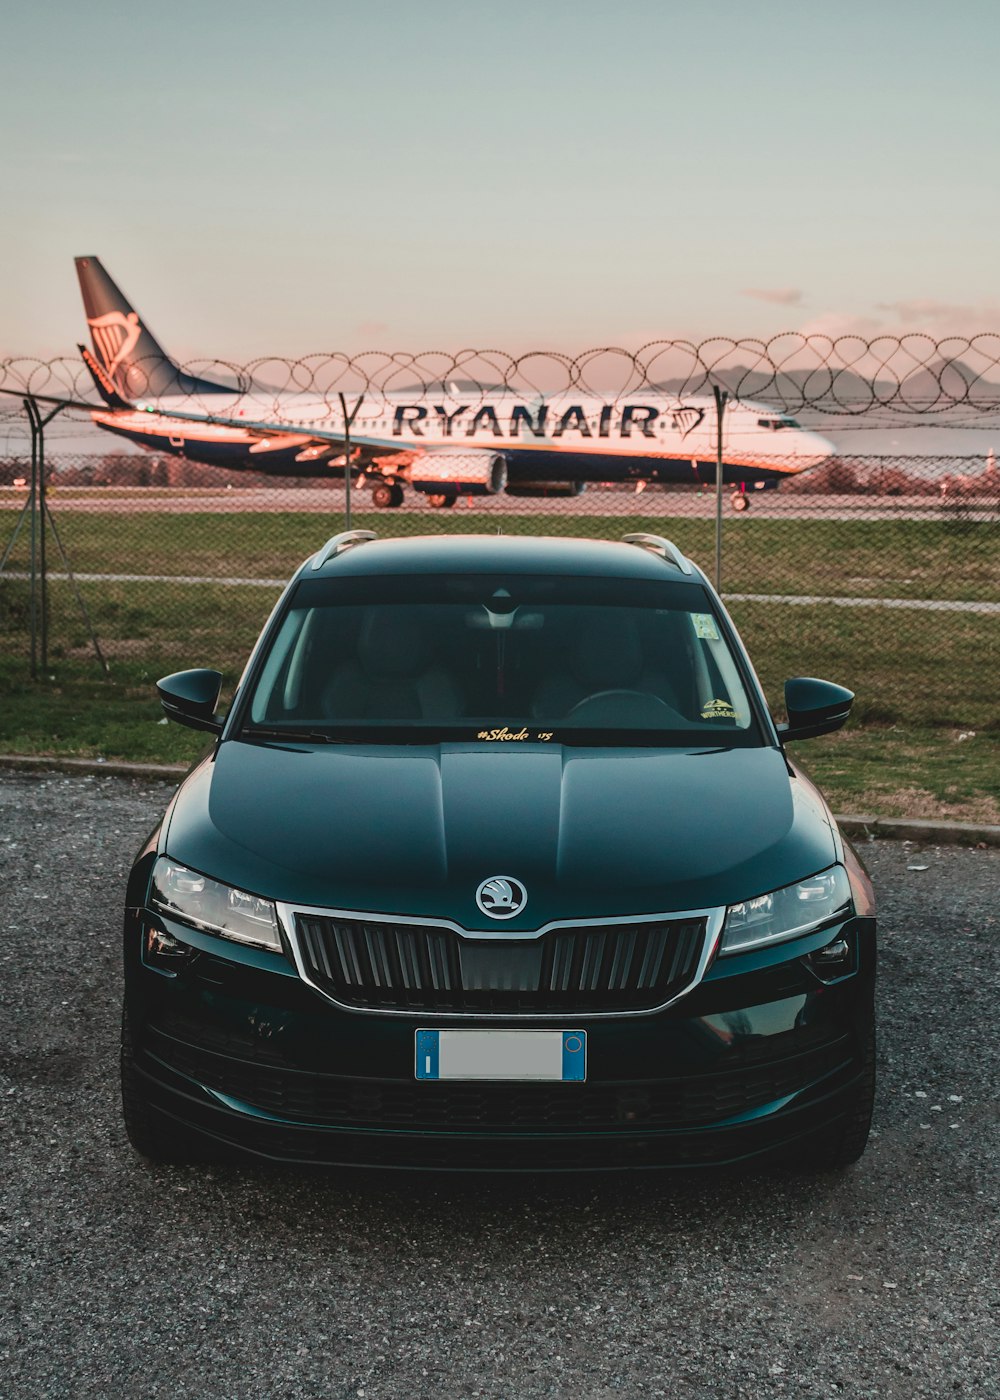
x=499, y=862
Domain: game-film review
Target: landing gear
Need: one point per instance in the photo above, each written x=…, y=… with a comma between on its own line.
x=739, y=500
x=439, y=501
x=387, y=495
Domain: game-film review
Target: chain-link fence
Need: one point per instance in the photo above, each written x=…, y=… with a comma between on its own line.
x=880, y=573
x=876, y=568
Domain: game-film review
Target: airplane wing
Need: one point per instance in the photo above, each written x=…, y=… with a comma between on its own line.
x=272, y=429
x=272, y=434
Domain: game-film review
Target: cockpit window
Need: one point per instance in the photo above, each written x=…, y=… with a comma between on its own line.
x=484, y=658
x=775, y=423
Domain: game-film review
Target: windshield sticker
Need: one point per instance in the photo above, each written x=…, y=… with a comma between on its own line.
x=704, y=627
x=718, y=709
x=517, y=736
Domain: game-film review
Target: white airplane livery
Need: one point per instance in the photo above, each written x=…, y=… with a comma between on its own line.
x=444, y=440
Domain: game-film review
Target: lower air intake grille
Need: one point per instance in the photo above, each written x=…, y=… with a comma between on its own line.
x=408, y=967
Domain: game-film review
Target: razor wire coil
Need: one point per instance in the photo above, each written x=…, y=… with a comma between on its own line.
x=914, y=375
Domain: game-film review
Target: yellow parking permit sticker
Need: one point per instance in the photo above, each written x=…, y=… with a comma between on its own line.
x=718, y=709
x=704, y=626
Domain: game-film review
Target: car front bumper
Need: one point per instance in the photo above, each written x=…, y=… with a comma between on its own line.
x=234, y=1048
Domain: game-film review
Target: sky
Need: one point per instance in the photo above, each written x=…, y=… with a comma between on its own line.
x=326, y=175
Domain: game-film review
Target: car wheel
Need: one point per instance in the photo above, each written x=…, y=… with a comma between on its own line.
x=844, y=1144
x=150, y=1135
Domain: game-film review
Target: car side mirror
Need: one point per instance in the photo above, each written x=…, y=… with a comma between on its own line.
x=190, y=697
x=814, y=707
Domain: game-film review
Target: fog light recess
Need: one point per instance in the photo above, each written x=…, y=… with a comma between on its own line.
x=162, y=951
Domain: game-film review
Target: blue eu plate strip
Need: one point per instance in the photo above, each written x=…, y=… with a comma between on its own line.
x=427, y=1054
x=574, y=1058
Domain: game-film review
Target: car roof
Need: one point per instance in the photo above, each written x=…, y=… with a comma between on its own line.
x=487, y=554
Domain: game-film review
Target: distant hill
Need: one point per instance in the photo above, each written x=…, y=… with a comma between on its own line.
x=792, y=387
x=949, y=381
x=939, y=385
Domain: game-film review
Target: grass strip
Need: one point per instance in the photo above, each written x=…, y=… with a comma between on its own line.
x=933, y=559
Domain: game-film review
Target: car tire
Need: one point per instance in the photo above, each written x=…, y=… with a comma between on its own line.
x=844, y=1144
x=150, y=1135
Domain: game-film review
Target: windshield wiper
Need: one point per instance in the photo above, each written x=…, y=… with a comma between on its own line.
x=263, y=731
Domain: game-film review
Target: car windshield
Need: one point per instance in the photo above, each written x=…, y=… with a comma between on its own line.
x=501, y=659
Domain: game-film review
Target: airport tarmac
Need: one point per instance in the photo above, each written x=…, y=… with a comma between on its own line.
x=329, y=500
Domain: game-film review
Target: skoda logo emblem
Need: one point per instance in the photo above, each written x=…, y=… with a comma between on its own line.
x=501, y=897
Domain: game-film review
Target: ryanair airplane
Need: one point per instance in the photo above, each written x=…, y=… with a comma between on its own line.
x=444, y=440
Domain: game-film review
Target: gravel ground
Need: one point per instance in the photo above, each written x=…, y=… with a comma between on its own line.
x=124, y=1279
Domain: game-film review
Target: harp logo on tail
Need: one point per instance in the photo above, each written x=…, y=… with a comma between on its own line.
x=115, y=336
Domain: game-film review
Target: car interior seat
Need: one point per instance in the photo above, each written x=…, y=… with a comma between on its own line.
x=393, y=675
x=604, y=652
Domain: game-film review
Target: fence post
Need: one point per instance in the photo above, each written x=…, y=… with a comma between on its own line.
x=721, y=398
x=42, y=562
x=31, y=411
x=348, y=422
x=41, y=517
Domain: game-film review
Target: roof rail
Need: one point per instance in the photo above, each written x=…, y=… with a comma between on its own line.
x=336, y=544
x=658, y=545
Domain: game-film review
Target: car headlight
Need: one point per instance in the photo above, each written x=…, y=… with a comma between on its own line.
x=787, y=913
x=208, y=904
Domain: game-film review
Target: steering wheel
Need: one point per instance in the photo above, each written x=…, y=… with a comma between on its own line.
x=618, y=706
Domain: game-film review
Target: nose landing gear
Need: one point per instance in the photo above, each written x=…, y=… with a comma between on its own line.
x=739, y=500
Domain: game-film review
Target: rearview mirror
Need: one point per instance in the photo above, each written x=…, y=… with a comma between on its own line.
x=814, y=707
x=190, y=697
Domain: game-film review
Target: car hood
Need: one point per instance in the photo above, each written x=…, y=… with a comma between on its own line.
x=590, y=833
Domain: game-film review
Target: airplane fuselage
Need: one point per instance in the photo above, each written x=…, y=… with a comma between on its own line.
x=544, y=439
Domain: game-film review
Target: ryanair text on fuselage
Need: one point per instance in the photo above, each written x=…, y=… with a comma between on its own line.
x=607, y=422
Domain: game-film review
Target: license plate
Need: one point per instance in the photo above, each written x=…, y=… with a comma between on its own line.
x=512, y=1055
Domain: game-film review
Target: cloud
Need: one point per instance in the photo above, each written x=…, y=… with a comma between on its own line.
x=780, y=296
x=925, y=312
x=837, y=323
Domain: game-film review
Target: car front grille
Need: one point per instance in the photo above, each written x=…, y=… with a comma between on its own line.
x=692, y=1101
x=410, y=967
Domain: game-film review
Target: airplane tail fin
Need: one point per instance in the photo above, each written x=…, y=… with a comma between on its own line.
x=128, y=361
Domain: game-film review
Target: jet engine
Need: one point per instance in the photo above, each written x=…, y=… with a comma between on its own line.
x=458, y=471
